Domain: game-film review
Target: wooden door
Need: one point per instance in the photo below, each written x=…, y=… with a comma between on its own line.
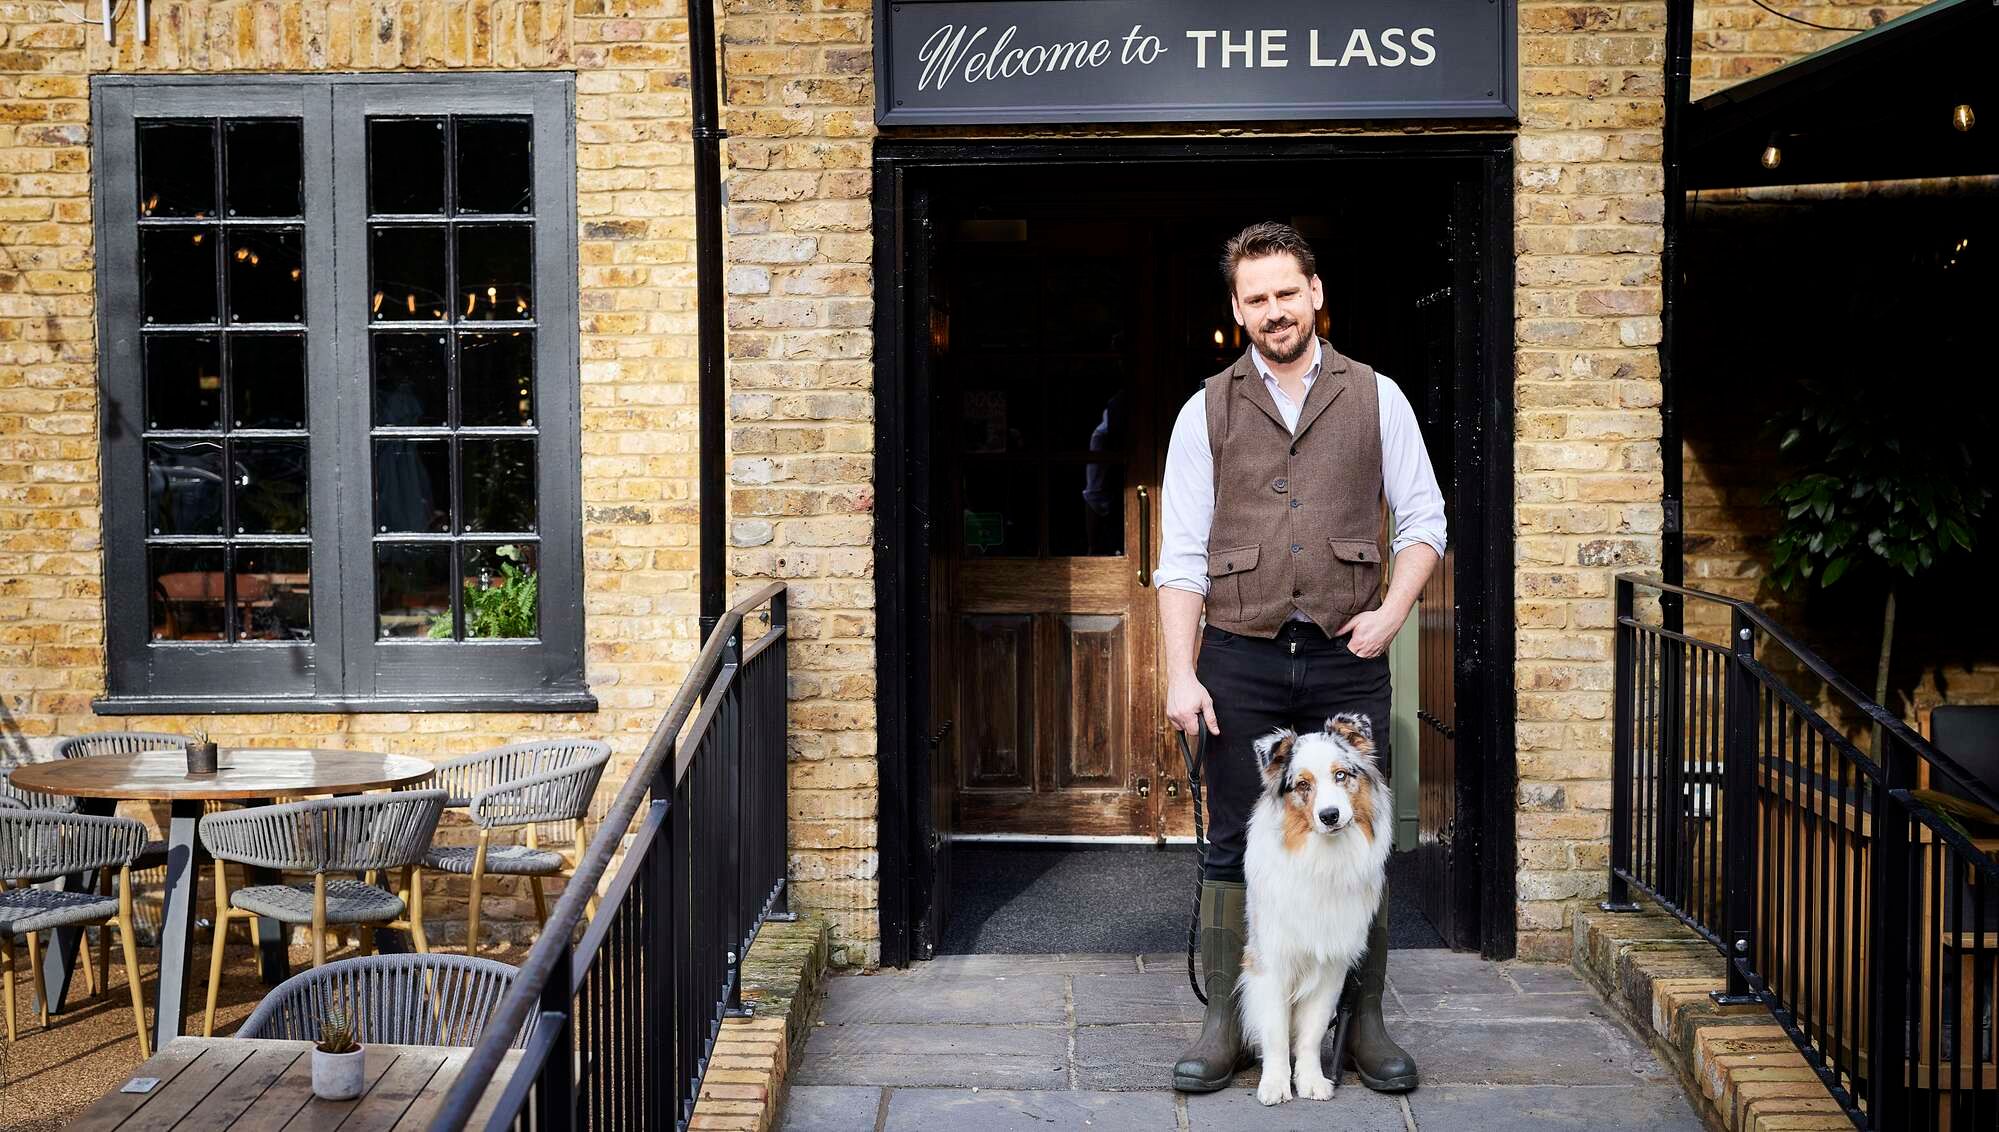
x=1046, y=643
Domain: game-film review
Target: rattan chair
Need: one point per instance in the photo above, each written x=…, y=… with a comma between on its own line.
x=364, y=833
x=154, y=855
x=561, y=794
x=430, y=1000
x=469, y=775
x=12, y=797
x=39, y=845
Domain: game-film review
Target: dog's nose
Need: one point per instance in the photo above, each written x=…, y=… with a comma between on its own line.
x=1330, y=815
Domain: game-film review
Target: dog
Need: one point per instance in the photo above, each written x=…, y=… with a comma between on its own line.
x=1316, y=861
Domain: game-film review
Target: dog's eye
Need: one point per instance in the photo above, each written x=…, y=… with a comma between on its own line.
x=1339, y=776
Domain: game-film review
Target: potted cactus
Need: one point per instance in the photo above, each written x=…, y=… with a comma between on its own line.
x=336, y=1057
x=201, y=753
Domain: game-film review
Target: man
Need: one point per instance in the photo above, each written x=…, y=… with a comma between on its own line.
x=1275, y=483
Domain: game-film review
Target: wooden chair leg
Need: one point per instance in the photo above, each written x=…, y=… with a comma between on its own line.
x=478, y=887
x=35, y=977
x=365, y=939
x=319, y=919
x=413, y=881
x=7, y=981
x=131, y=947
x=217, y=941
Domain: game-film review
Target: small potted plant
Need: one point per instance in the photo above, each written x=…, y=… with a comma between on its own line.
x=336, y=1058
x=200, y=753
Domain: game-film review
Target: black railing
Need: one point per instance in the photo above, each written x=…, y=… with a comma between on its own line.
x=629, y=1007
x=1861, y=916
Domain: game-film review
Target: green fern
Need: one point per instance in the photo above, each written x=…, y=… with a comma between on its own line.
x=503, y=608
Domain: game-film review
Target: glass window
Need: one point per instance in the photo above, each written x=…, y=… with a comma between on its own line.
x=342, y=452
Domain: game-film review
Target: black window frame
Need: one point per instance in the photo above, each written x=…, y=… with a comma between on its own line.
x=345, y=667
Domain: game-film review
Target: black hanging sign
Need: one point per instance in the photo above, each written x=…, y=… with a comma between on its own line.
x=971, y=62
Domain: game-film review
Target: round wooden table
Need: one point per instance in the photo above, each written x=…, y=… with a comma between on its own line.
x=246, y=774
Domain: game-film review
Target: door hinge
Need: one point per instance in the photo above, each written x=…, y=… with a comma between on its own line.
x=1670, y=521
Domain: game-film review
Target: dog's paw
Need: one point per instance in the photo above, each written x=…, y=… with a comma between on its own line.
x=1274, y=1089
x=1314, y=1085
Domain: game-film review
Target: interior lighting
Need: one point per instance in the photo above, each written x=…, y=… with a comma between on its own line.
x=1773, y=155
x=1961, y=116
x=412, y=302
x=1218, y=337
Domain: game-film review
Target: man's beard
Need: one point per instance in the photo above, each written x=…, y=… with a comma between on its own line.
x=1298, y=348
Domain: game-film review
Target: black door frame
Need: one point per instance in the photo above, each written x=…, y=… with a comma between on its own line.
x=1484, y=458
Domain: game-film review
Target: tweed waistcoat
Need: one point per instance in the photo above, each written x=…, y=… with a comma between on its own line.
x=1298, y=517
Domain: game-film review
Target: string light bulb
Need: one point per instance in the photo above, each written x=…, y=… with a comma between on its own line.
x=1962, y=117
x=1218, y=337
x=1773, y=155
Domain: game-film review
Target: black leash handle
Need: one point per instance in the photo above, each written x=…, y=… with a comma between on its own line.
x=1194, y=764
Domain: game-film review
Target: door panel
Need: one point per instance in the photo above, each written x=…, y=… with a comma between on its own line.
x=996, y=711
x=1092, y=701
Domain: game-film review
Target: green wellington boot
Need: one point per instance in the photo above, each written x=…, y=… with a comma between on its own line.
x=1383, y=1066
x=1214, y=1057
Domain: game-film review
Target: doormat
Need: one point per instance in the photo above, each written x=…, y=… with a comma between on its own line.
x=1120, y=900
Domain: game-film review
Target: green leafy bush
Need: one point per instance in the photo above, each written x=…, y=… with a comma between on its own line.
x=502, y=607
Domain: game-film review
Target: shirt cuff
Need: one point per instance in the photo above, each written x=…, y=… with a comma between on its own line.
x=1179, y=582
x=1431, y=539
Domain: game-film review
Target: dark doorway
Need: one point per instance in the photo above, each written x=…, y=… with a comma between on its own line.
x=1043, y=311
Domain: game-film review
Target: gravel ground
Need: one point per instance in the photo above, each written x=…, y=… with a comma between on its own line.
x=50, y=1076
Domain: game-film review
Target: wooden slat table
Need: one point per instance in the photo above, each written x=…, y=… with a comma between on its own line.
x=246, y=774
x=262, y=1083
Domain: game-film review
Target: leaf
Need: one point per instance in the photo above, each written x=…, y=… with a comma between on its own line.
x=1835, y=570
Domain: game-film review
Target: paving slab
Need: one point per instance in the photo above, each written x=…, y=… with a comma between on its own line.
x=1468, y=1052
x=831, y=1108
x=1009, y=1110
x=1507, y=1006
x=963, y=996
x=1434, y=971
x=1353, y=1109
x=1550, y=1108
x=1159, y=996
x=1132, y=1056
x=944, y=1056
x=1542, y=978
x=954, y=966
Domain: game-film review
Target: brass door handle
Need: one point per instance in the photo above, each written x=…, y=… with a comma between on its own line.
x=1144, y=536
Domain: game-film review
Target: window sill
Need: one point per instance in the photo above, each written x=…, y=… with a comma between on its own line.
x=563, y=701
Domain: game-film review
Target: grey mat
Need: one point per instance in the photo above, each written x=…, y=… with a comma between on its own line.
x=1033, y=899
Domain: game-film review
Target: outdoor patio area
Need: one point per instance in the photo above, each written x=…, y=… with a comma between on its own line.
x=978, y=1042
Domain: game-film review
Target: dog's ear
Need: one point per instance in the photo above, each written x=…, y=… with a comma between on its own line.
x=1273, y=757
x=1355, y=728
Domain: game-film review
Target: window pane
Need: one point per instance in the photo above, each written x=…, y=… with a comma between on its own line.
x=495, y=267
x=183, y=381
x=413, y=590
x=184, y=488
x=412, y=379
x=1000, y=507
x=176, y=169
x=496, y=378
x=273, y=593
x=406, y=165
x=408, y=265
x=498, y=479
x=177, y=275
x=413, y=485
x=501, y=590
x=1085, y=509
x=262, y=176
x=267, y=380
x=186, y=597
x=272, y=487
x=264, y=276
x=495, y=171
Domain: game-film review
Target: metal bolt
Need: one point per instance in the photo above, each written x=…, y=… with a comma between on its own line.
x=1745, y=634
x=732, y=958
x=1742, y=946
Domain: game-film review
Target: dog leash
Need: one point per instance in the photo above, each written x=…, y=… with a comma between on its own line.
x=1200, y=852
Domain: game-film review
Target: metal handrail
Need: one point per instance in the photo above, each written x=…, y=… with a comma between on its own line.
x=551, y=950
x=1973, y=786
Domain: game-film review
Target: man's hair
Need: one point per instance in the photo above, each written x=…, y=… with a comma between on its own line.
x=1267, y=238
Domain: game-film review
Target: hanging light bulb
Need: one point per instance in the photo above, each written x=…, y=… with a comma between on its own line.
x=411, y=302
x=1962, y=117
x=1773, y=156
x=1218, y=337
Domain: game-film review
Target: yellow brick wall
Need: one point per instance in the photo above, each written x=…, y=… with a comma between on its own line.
x=1738, y=39
x=799, y=108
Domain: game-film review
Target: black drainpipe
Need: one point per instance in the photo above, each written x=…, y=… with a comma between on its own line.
x=708, y=315
x=1679, y=65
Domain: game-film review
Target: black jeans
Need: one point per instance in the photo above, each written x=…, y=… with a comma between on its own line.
x=1296, y=680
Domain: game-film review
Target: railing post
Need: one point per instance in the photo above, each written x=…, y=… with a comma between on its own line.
x=1888, y=941
x=1739, y=760
x=1670, y=812
x=780, y=824
x=733, y=724
x=1623, y=677
x=555, y=1090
